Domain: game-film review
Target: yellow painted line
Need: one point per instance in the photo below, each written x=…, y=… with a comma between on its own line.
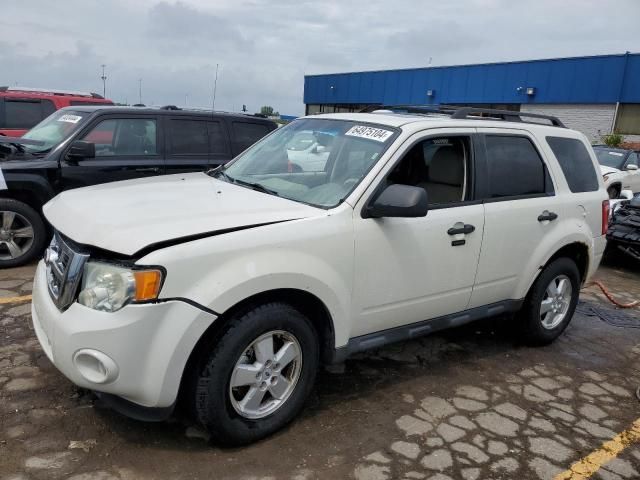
x=5, y=300
x=590, y=464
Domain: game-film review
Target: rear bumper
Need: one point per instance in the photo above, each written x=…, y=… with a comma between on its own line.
x=599, y=245
x=137, y=353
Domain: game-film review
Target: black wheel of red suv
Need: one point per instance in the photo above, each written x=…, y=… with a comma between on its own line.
x=551, y=302
x=257, y=375
x=22, y=233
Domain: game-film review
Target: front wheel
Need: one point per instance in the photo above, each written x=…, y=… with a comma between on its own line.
x=551, y=302
x=257, y=376
x=22, y=233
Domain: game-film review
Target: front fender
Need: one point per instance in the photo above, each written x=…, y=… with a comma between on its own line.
x=313, y=255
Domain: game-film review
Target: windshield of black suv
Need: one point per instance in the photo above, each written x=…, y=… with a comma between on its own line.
x=54, y=129
x=610, y=157
x=311, y=160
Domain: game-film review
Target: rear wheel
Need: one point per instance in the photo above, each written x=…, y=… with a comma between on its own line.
x=257, y=376
x=22, y=233
x=551, y=302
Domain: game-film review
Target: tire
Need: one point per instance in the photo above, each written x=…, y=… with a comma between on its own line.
x=614, y=192
x=17, y=221
x=539, y=330
x=218, y=407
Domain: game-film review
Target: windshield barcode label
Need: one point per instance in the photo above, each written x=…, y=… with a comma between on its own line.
x=69, y=118
x=362, y=131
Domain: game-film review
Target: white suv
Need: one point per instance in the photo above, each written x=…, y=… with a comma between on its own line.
x=230, y=287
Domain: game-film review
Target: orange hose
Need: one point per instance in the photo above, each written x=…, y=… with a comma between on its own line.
x=610, y=297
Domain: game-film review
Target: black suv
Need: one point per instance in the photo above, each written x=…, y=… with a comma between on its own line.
x=80, y=146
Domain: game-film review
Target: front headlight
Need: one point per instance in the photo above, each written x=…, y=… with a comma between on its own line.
x=108, y=288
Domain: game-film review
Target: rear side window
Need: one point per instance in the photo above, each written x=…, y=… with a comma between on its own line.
x=575, y=162
x=188, y=137
x=25, y=113
x=217, y=139
x=246, y=134
x=514, y=167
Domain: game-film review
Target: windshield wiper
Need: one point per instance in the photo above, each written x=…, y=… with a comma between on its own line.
x=256, y=186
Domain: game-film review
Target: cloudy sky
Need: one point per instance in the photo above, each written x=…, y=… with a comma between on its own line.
x=265, y=47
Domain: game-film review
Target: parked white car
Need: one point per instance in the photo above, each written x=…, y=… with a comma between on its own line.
x=231, y=287
x=619, y=168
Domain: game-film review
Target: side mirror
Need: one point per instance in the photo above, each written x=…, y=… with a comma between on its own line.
x=632, y=167
x=81, y=149
x=399, y=201
x=626, y=195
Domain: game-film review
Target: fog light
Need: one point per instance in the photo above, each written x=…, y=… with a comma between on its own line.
x=95, y=366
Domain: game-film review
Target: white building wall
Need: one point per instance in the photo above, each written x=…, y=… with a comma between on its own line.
x=590, y=119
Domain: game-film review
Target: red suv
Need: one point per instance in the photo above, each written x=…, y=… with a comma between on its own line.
x=23, y=108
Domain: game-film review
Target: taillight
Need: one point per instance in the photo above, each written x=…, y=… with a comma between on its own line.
x=605, y=216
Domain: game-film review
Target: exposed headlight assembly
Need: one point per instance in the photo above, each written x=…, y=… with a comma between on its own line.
x=108, y=288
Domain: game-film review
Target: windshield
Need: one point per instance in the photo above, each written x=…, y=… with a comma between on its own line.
x=54, y=129
x=610, y=157
x=312, y=160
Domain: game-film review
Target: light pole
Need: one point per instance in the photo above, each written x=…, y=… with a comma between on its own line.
x=140, y=91
x=104, y=82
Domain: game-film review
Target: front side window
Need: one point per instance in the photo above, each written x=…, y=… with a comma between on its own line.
x=54, y=129
x=514, y=167
x=632, y=159
x=348, y=150
x=575, y=163
x=439, y=165
x=124, y=136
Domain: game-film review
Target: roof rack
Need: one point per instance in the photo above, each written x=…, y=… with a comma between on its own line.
x=51, y=91
x=457, y=112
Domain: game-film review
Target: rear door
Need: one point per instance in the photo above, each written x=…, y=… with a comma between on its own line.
x=195, y=143
x=127, y=146
x=520, y=210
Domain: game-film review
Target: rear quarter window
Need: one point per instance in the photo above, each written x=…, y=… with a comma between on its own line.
x=575, y=162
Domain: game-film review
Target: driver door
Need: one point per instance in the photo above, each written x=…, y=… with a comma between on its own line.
x=412, y=269
x=126, y=148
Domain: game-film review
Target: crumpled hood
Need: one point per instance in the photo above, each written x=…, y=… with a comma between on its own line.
x=607, y=170
x=125, y=217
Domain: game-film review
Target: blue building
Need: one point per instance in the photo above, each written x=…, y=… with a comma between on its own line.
x=597, y=95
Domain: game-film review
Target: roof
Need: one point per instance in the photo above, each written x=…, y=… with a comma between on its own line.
x=163, y=111
x=50, y=91
x=418, y=121
x=596, y=79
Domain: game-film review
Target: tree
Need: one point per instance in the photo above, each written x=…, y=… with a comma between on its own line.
x=268, y=111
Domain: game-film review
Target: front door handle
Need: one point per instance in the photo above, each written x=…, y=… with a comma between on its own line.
x=547, y=216
x=148, y=169
x=465, y=229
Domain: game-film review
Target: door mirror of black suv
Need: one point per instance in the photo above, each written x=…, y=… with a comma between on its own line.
x=399, y=201
x=81, y=149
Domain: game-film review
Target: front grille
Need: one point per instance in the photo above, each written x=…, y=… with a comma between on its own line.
x=64, y=271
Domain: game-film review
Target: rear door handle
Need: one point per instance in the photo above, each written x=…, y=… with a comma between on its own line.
x=547, y=216
x=464, y=229
x=148, y=169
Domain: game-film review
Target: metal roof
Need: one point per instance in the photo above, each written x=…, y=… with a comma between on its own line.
x=597, y=79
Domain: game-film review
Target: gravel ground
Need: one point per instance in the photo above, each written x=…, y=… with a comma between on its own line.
x=469, y=403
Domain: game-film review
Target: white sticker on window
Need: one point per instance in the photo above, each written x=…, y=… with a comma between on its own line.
x=362, y=131
x=617, y=154
x=70, y=118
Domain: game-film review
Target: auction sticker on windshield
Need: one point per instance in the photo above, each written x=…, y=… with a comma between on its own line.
x=70, y=118
x=371, y=133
